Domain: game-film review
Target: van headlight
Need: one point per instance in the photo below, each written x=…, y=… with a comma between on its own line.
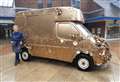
x=92, y=40
x=98, y=45
x=102, y=53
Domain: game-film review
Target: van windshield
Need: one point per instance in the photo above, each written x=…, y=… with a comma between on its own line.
x=84, y=30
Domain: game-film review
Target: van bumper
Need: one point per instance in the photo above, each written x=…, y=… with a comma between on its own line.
x=104, y=57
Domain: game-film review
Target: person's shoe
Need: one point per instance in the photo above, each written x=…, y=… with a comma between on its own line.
x=17, y=62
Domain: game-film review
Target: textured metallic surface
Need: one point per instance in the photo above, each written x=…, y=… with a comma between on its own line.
x=53, y=71
x=40, y=30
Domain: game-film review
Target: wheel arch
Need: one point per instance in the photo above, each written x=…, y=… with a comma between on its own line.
x=82, y=53
x=84, y=56
x=24, y=49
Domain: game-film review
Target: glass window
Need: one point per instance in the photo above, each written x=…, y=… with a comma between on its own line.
x=113, y=29
x=66, y=30
x=62, y=3
x=49, y=3
x=6, y=3
x=113, y=32
x=40, y=3
x=76, y=3
x=83, y=30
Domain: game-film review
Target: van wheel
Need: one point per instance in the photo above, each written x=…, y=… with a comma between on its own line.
x=25, y=56
x=84, y=62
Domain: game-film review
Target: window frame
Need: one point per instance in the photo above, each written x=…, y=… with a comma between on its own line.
x=50, y=3
x=40, y=4
x=57, y=35
x=76, y=3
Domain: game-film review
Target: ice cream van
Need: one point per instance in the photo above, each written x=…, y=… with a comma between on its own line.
x=58, y=33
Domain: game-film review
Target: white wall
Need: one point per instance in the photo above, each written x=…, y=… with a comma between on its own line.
x=7, y=12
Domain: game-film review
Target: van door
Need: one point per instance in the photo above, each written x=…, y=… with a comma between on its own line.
x=66, y=35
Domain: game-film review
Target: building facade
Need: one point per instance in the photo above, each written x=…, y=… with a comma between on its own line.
x=7, y=15
x=46, y=3
x=105, y=19
x=102, y=16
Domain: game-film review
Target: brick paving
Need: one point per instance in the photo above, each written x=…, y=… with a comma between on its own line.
x=38, y=69
x=5, y=47
x=115, y=47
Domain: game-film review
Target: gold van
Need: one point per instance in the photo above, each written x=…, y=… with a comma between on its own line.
x=58, y=33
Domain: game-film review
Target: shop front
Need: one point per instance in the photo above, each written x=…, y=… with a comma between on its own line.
x=7, y=16
x=105, y=27
x=113, y=29
x=5, y=29
x=97, y=28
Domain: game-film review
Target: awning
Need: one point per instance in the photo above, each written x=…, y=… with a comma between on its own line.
x=6, y=22
x=101, y=18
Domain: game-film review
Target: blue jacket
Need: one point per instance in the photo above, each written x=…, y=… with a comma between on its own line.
x=16, y=38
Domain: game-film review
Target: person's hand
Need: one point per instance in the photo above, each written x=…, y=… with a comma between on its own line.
x=12, y=42
x=21, y=42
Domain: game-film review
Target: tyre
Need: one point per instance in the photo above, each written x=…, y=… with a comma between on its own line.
x=84, y=62
x=25, y=56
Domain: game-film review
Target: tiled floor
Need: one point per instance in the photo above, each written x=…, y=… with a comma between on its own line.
x=41, y=70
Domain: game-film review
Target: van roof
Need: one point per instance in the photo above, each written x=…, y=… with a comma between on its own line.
x=62, y=13
x=33, y=9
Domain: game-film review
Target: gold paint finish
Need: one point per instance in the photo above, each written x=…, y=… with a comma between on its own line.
x=54, y=33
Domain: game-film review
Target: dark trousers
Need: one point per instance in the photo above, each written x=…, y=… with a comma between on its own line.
x=17, y=57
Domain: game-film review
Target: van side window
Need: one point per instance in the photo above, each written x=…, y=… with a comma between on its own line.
x=66, y=30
